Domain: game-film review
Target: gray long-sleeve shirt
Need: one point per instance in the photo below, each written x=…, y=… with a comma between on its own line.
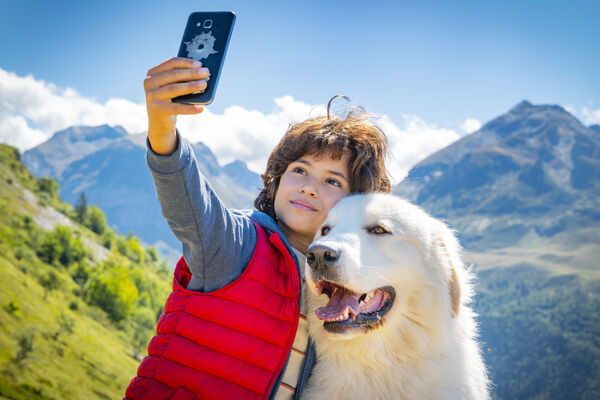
x=217, y=242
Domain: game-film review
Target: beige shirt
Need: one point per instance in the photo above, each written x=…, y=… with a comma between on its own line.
x=287, y=388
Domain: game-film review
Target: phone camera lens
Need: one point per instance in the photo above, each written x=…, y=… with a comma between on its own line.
x=208, y=23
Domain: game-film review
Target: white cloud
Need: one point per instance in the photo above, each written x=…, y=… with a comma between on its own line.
x=571, y=110
x=415, y=141
x=470, y=125
x=15, y=131
x=590, y=117
x=32, y=110
x=242, y=134
x=250, y=135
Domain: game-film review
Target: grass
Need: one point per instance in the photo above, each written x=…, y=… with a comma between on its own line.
x=53, y=345
x=94, y=361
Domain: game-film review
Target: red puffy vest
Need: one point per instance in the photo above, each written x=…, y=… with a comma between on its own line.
x=228, y=344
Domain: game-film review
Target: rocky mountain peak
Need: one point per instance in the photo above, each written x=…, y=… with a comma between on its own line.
x=52, y=157
x=521, y=107
x=530, y=164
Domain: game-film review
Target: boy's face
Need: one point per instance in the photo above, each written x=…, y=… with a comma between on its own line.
x=307, y=190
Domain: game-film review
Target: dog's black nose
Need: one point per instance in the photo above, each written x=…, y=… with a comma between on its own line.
x=321, y=257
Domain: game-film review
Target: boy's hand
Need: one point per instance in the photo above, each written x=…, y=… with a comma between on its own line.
x=174, y=77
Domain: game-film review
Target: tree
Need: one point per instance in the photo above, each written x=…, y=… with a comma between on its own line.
x=62, y=245
x=48, y=185
x=25, y=340
x=141, y=327
x=95, y=220
x=49, y=282
x=50, y=249
x=65, y=325
x=113, y=290
x=81, y=208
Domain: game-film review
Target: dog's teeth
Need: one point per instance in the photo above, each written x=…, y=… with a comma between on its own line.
x=346, y=314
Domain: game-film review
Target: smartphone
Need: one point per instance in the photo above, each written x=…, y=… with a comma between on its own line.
x=205, y=39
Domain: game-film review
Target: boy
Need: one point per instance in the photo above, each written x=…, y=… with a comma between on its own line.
x=233, y=326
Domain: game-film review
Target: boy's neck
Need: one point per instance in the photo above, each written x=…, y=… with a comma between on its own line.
x=298, y=242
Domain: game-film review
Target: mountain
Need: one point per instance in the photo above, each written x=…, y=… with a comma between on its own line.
x=78, y=303
x=524, y=196
x=52, y=157
x=531, y=171
x=108, y=164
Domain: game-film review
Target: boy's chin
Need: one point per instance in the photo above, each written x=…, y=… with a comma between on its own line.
x=299, y=236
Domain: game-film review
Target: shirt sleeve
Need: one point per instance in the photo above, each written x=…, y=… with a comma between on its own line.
x=217, y=243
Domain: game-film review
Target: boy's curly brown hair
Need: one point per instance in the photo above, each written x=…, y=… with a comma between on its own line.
x=362, y=140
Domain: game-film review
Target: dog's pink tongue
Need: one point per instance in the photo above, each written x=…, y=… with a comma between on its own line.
x=337, y=305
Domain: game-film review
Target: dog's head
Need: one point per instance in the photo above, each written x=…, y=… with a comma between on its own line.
x=378, y=263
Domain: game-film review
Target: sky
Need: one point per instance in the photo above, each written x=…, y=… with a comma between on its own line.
x=430, y=71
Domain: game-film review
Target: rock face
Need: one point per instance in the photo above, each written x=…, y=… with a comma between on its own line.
x=52, y=157
x=109, y=165
x=533, y=169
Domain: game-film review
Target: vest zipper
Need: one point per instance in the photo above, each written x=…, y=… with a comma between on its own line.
x=275, y=387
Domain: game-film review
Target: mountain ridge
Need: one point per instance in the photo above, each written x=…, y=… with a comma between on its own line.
x=93, y=160
x=535, y=167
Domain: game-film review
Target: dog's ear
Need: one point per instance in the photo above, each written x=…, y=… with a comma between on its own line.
x=447, y=256
x=454, y=291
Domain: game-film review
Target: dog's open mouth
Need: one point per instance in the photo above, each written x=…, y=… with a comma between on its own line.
x=349, y=310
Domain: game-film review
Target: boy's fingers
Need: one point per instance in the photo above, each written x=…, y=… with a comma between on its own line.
x=175, y=62
x=175, y=75
x=176, y=89
x=167, y=107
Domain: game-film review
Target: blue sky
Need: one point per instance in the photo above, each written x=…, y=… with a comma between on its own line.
x=441, y=62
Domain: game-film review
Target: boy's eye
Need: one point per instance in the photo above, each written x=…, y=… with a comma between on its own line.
x=299, y=170
x=334, y=182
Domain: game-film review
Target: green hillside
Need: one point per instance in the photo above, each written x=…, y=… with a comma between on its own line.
x=539, y=312
x=78, y=303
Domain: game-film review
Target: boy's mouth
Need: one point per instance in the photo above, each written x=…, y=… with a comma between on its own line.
x=303, y=205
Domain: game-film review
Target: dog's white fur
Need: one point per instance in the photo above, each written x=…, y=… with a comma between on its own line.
x=426, y=347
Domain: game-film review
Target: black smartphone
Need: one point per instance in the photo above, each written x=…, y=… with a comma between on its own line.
x=205, y=39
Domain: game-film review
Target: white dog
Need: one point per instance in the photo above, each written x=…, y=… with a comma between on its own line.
x=389, y=313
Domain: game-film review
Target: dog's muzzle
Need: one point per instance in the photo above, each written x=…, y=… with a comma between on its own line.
x=346, y=310
x=321, y=258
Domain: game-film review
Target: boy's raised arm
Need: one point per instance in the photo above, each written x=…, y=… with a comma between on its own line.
x=216, y=243
x=174, y=77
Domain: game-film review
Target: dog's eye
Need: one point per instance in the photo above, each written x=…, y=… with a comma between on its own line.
x=325, y=230
x=378, y=230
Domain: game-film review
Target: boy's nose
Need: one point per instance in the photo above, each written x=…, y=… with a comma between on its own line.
x=308, y=190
